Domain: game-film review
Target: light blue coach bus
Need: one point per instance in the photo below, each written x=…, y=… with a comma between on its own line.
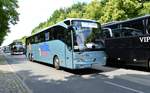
x=73, y=43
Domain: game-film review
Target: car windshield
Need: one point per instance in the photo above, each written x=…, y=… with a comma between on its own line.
x=86, y=35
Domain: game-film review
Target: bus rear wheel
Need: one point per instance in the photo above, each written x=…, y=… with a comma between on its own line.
x=56, y=62
x=148, y=65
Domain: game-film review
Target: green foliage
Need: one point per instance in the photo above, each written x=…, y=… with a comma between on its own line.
x=23, y=39
x=100, y=10
x=120, y=9
x=8, y=15
x=146, y=9
x=93, y=10
x=74, y=11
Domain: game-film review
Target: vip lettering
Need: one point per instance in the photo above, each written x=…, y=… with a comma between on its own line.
x=144, y=39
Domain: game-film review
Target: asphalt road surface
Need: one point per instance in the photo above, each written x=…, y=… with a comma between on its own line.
x=43, y=78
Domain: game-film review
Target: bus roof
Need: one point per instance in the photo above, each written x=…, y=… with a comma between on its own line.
x=71, y=19
x=124, y=21
x=61, y=23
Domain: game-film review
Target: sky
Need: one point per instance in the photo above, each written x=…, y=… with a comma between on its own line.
x=33, y=12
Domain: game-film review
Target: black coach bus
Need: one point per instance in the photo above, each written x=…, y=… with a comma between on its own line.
x=128, y=42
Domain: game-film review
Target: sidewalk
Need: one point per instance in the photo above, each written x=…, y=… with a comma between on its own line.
x=9, y=81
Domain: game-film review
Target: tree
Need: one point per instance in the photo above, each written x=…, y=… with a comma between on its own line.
x=93, y=10
x=8, y=15
x=23, y=39
x=120, y=9
x=75, y=10
x=146, y=9
x=99, y=10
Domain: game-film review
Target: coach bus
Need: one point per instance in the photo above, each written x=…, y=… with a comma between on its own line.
x=128, y=42
x=73, y=43
x=17, y=48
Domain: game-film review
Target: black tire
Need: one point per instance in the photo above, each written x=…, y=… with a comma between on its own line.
x=148, y=65
x=56, y=62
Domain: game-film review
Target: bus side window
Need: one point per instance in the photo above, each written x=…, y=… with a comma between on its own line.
x=106, y=34
x=32, y=40
x=117, y=34
x=46, y=36
x=127, y=33
x=59, y=33
x=36, y=39
x=54, y=33
x=50, y=34
x=132, y=32
x=42, y=37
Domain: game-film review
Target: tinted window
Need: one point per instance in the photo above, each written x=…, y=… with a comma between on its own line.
x=59, y=32
x=32, y=40
x=47, y=36
x=36, y=39
x=126, y=32
x=41, y=37
x=116, y=32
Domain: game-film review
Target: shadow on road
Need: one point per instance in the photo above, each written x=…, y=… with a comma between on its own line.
x=139, y=68
x=67, y=84
x=76, y=81
x=77, y=72
x=15, y=59
x=71, y=83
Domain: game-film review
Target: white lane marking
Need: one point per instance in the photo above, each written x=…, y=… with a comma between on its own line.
x=124, y=87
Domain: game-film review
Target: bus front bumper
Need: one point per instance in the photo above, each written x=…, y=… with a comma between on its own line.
x=82, y=65
x=17, y=53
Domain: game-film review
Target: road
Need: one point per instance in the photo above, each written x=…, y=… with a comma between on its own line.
x=43, y=78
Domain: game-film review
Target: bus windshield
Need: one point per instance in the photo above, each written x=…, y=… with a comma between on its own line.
x=87, y=35
x=18, y=43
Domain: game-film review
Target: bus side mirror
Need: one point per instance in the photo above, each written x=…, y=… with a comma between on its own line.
x=70, y=28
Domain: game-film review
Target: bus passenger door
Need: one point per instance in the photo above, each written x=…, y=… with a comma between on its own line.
x=69, y=49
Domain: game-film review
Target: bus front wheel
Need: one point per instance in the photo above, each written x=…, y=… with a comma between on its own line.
x=56, y=62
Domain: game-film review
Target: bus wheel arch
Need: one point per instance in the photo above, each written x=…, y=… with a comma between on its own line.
x=56, y=62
